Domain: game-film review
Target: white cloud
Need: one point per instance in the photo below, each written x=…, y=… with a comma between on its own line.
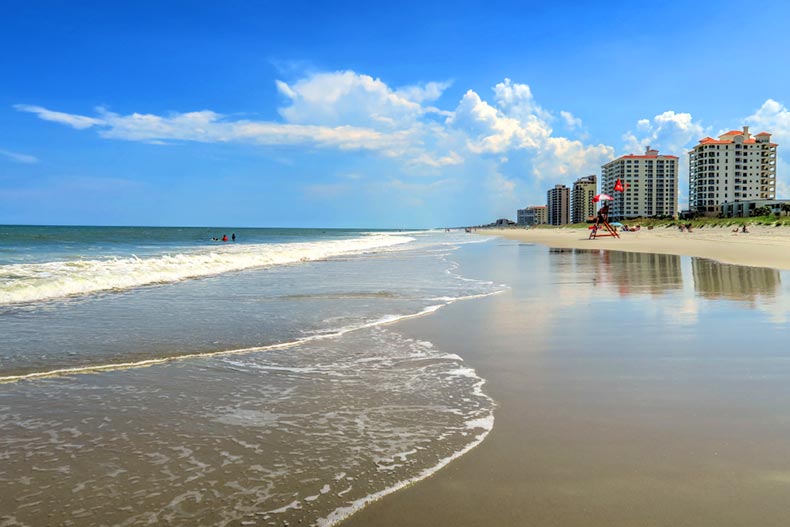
x=519, y=123
x=494, y=130
x=75, y=121
x=487, y=129
x=350, y=99
x=516, y=100
x=453, y=158
x=19, y=158
x=427, y=92
x=210, y=127
x=774, y=117
x=671, y=133
x=566, y=158
x=345, y=110
x=571, y=121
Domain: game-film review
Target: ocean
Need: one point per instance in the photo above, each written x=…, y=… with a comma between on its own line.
x=157, y=376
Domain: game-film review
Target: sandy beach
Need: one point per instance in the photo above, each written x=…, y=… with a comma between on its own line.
x=761, y=247
x=631, y=388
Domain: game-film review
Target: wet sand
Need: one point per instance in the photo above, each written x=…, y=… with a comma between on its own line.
x=658, y=397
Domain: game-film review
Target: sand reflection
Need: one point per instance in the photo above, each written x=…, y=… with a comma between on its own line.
x=733, y=282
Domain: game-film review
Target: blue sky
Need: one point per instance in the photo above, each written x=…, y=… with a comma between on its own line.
x=401, y=114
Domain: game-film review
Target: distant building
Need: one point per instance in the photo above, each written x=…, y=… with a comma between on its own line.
x=582, y=206
x=650, y=184
x=735, y=167
x=534, y=215
x=558, y=205
x=503, y=222
x=743, y=209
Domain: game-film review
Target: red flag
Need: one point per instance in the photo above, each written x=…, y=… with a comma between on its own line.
x=618, y=186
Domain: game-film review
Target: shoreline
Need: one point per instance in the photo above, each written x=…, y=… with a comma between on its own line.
x=761, y=247
x=595, y=435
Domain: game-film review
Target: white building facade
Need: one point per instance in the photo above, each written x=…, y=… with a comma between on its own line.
x=735, y=167
x=650, y=184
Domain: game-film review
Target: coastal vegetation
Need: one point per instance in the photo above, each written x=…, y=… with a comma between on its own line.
x=778, y=220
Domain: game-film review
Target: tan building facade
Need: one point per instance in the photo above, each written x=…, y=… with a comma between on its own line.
x=582, y=206
x=650, y=184
x=735, y=167
x=558, y=206
x=535, y=215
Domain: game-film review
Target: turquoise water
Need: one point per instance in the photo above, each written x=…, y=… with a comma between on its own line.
x=45, y=263
x=37, y=243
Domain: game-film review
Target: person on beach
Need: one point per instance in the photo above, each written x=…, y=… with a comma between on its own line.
x=233, y=236
x=744, y=229
x=603, y=215
x=224, y=237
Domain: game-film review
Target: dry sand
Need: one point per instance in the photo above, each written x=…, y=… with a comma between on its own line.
x=760, y=247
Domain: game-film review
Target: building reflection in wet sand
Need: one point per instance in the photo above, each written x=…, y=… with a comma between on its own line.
x=734, y=282
x=630, y=273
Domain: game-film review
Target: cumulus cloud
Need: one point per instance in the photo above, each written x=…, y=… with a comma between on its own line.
x=19, y=158
x=672, y=133
x=565, y=157
x=517, y=122
x=487, y=128
x=346, y=110
x=774, y=117
x=350, y=99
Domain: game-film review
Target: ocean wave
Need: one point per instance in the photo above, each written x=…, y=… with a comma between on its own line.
x=35, y=282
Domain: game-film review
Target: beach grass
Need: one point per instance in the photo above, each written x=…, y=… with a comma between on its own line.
x=771, y=220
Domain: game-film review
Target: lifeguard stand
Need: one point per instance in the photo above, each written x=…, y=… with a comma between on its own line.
x=603, y=226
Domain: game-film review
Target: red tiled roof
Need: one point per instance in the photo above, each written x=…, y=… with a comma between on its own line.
x=763, y=133
x=711, y=141
x=632, y=156
x=733, y=132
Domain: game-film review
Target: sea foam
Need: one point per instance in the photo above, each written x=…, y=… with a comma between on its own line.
x=51, y=280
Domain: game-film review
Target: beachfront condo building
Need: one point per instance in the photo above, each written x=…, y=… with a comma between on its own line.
x=582, y=206
x=650, y=185
x=558, y=207
x=535, y=215
x=735, y=167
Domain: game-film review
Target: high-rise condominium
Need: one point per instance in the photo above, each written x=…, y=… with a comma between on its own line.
x=650, y=185
x=582, y=205
x=558, y=205
x=734, y=167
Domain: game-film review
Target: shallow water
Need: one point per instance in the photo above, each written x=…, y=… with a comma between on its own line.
x=278, y=393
